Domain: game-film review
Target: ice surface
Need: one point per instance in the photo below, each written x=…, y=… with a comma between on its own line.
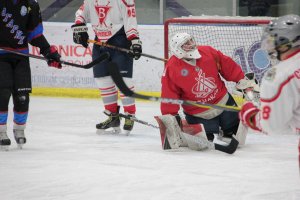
x=65, y=159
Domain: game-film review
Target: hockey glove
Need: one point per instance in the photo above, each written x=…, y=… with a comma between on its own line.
x=248, y=88
x=80, y=34
x=53, y=57
x=247, y=115
x=136, y=48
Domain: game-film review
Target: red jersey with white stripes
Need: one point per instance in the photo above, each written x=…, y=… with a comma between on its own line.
x=280, y=97
x=201, y=82
x=108, y=17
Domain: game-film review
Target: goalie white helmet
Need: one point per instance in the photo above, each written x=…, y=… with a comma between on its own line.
x=183, y=45
x=281, y=35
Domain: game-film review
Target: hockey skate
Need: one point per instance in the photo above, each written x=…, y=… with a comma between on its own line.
x=240, y=135
x=20, y=137
x=128, y=125
x=111, y=125
x=4, y=141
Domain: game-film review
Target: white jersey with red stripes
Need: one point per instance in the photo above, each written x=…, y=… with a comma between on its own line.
x=108, y=17
x=280, y=97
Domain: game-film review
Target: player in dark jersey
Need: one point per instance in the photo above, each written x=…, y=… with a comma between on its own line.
x=20, y=24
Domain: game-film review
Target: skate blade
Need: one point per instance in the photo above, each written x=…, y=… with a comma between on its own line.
x=21, y=142
x=126, y=132
x=20, y=146
x=113, y=131
x=4, y=147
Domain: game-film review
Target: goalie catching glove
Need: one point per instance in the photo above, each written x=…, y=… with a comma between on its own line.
x=248, y=88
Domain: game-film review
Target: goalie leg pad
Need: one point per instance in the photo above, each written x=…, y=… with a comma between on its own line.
x=169, y=131
x=162, y=130
x=241, y=134
x=192, y=129
x=197, y=141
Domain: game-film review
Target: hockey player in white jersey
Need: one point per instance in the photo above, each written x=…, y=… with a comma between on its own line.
x=280, y=88
x=115, y=23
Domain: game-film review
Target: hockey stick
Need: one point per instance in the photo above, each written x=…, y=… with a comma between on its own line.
x=117, y=78
x=102, y=57
x=124, y=50
x=230, y=148
x=137, y=120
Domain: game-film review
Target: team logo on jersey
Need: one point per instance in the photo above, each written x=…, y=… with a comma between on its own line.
x=184, y=72
x=23, y=11
x=270, y=74
x=102, y=12
x=204, y=86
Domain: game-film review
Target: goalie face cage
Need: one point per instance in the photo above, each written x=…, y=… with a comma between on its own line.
x=236, y=37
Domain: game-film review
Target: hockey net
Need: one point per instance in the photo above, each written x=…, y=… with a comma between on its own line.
x=237, y=37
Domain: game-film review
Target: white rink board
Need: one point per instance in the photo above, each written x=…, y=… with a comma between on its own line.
x=147, y=72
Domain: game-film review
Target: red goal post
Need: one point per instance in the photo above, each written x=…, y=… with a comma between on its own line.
x=237, y=37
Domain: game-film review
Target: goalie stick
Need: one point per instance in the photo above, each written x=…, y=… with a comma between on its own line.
x=125, y=50
x=117, y=78
x=102, y=57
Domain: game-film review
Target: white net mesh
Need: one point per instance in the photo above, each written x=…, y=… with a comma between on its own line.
x=237, y=37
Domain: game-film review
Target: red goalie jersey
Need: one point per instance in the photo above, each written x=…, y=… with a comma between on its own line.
x=201, y=82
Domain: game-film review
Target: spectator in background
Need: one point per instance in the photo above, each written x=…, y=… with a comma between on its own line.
x=257, y=7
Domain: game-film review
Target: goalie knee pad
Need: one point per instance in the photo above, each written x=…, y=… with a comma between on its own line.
x=4, y=99
x=21, y=102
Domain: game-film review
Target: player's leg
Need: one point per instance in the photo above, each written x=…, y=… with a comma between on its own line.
x=108, y=93
x=125, y=64
x=129, y=108
x=127, y=102
x=22, y=88
x=4, y=101
x=6, y=82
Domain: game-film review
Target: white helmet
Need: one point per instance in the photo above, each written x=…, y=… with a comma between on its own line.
x=281, y=35
x=183, y=45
